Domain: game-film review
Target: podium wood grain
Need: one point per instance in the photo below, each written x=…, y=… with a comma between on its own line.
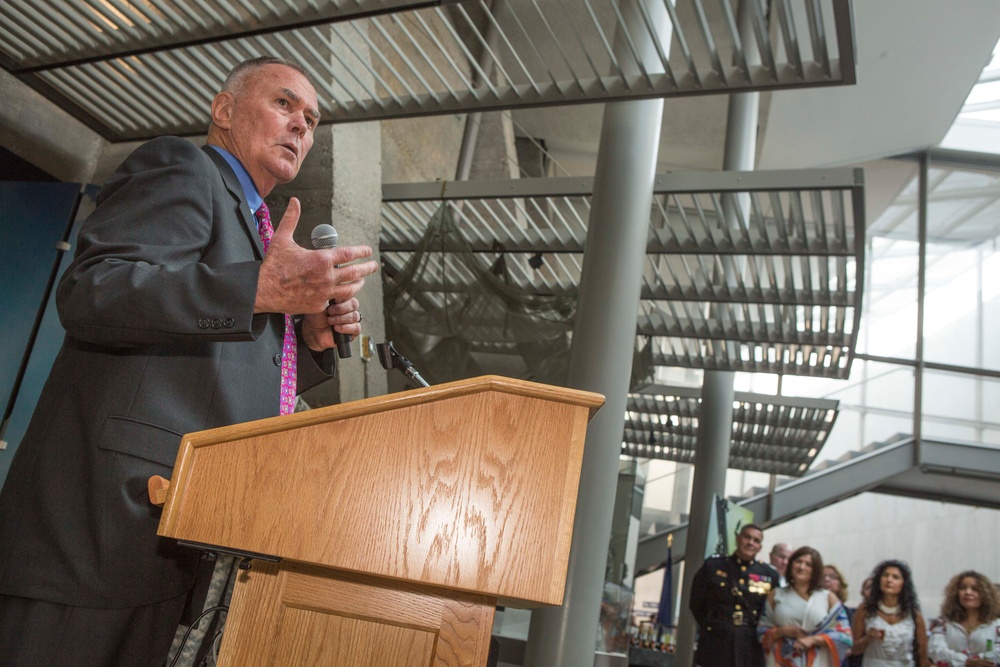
x=435, y=504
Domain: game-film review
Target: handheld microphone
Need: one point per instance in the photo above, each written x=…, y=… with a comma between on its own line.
x=323, y=237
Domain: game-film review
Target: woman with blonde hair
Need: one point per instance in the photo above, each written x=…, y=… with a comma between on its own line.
x=834, y=581
x=966, y=633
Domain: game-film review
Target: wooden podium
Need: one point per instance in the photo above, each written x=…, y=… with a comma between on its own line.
x=401, y=521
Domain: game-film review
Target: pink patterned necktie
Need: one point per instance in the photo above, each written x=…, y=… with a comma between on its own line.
x=288, y=353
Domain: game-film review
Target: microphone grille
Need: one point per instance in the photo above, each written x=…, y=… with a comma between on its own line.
x=324, y=236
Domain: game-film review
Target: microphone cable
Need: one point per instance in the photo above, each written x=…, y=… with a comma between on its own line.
x=180, y=648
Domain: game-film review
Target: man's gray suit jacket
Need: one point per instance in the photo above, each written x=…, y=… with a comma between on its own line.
x=161, y=340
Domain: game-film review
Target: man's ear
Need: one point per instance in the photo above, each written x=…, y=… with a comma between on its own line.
x=222, y=110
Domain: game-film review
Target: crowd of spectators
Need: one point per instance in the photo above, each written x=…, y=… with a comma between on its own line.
x=797, y=609
x=807, y=620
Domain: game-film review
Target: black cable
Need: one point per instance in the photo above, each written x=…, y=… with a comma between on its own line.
x=187, y=634
x=213, y=652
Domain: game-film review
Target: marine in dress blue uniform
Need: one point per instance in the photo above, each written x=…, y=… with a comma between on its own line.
x=727, y=599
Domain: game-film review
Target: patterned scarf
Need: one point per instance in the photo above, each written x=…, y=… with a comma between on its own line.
x=834, y=632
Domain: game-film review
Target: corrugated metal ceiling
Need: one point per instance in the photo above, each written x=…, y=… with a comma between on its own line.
x=132, y=70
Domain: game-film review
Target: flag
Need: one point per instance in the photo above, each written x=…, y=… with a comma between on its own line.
x=665, y=614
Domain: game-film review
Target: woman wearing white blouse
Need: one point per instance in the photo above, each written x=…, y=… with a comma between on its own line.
x=966, y=634
x=889, y=629
x=804, y=625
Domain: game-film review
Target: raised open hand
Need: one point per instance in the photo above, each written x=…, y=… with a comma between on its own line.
x=297, y=280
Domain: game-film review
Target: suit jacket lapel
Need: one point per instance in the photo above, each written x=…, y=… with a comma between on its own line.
x=236, y=190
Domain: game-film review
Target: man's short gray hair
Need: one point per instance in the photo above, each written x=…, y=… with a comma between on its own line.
x=236, y=81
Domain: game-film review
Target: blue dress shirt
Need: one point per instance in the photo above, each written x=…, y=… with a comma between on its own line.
x=254, y=200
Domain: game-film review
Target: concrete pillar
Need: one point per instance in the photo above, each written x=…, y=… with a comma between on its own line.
x=603, y=342
x=715, y=421
x=495, y=157
x=682, y=490
x=340, y=184
x=711, y=460
x=37, y=131
x=488, y=138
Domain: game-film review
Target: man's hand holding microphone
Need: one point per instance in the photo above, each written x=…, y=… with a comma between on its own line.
x=320, y=284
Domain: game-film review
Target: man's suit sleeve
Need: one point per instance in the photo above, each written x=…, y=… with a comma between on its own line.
x=698, y=601
x=139, y=277
x=312, y=367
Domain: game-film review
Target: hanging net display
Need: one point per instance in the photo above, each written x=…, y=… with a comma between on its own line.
x=457, y=313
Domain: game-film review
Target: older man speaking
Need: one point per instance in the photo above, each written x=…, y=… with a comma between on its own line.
x=184, y=309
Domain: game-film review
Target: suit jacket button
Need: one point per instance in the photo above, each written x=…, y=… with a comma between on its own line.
x=216, y=323
x=203, y=323
x=229, y=323
x=277, y=360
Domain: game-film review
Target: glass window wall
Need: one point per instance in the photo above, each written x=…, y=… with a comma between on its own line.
x=960, y=376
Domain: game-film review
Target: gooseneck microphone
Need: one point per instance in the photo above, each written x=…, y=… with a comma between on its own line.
x=323, y=237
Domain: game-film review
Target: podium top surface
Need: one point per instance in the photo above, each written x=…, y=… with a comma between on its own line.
x=423, y=395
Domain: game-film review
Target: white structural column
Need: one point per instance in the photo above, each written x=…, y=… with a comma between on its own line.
x=715, y=420
x=604, y=338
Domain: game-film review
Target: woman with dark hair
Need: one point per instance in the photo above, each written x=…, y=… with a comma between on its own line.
x=966, y=634
x=888, y=626
x=803, y=623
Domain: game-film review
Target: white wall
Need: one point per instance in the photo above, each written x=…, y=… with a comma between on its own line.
x=937, y=540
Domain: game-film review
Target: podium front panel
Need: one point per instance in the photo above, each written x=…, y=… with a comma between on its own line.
x=301, y=616
x=472, y=491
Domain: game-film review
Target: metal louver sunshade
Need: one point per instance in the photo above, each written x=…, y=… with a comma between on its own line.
x=137, y=69
x=772, y=434
x=747, y=271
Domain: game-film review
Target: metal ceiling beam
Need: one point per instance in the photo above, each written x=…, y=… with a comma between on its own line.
x=138, y=42
x=806, y=361
x=792, y=308
x=788, y=215
x=660, y=243
x=771, y=434
x=956, y=159
x=416, y=53
x=777, y=180
x=653, y=397
x=664, y=292
x=729, y=328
